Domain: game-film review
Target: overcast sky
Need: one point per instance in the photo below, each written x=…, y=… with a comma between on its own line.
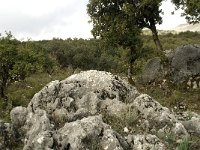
x=45, y=19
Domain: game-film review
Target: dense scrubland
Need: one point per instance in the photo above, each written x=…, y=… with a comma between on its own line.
x=32, y=64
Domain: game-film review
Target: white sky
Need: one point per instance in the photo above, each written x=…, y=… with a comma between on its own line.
x=45, y=19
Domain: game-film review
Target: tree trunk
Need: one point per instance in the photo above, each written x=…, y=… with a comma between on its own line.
x=3, y=82
x=155, y=37
x=131, y=61
x=2, y=88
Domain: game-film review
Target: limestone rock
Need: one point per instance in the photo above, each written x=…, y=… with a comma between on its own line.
x=68, y=115
x=191, y=121
x=153, y=71
x=183, y=67
x=88, y=90
x=65, y=106
x=87, y=133
x=39, y=131
x=148, y=141
x=7, y=135
x=76, y=135
x=185, y=63
x=158, y=116
x=18, y=116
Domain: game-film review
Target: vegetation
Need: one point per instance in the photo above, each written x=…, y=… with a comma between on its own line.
x=32, y=58
x=26, y=67
x=19, y=60
x=184, y=145
x=121, y=22
x=57, y=59
x=130, y=16
x=39, y=62
x=191, y=9
x=113, y=23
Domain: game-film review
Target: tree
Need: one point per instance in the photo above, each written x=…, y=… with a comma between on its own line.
x=18, y=61
x=191, y=9
x=8, y=53
x=113, y=23
x=145, y=13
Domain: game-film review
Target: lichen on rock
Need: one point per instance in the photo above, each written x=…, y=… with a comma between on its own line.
x=70, y=114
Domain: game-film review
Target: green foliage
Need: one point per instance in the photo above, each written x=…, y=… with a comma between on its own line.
x=170, y=138
x=112, y=22
x=189, y=116
x=85, y=54
x=119, y=22
x=191, y=9
x=172, y=40
x=19, y=60
x=35, y=58
x=115, y=25
x=184, y=145
x=93, y=54
x=8, y=55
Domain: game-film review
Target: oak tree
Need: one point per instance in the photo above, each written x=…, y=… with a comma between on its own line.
x=113, y=23
x=191, y=9
x=142, y=13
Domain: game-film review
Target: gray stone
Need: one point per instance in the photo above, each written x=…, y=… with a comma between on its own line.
x=110, y=141
x=153, y=71
x=151, y=109
x=67, y=115
x=78, y=134
x=7, y=135
x=87, y=133
x=192, y=124
x=62, y=104
x=158, y=116
x=148, y=141
x=39, y=131
x=18, y=116
x=185, y=63
x=89, y=90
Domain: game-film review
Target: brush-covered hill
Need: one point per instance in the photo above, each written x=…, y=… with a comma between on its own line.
x=187, y=27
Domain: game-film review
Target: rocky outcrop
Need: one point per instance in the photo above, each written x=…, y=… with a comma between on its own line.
x=185, y=63
x=70, y=115
x=183, y=67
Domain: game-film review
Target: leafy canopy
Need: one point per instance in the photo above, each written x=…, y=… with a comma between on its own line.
x=191, y=9
x=18, y=60
x=113, y=23
x=121, y=21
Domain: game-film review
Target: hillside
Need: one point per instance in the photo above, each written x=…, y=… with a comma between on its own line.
x=187, y=27
x=178, y=29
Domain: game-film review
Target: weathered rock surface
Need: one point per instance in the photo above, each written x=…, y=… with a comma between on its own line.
x=64, y=107
x=191, y=121
x=69, y=114
x=7, y=135
x=145, y=142
x=153, y=71
x=183, y=67
x=159, y=116
x=185, y=63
